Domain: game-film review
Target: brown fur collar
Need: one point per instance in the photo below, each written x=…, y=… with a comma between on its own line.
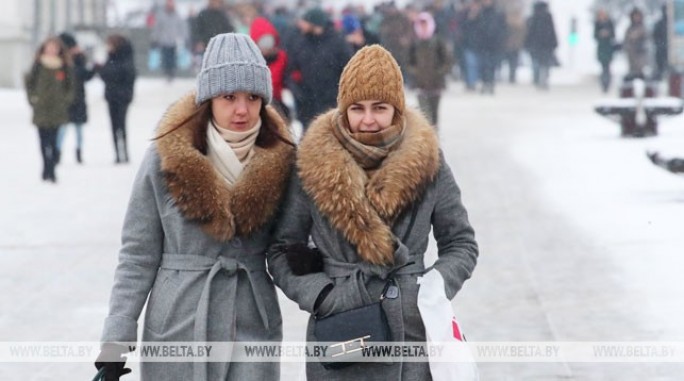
x=359, y=207
x=201, y=194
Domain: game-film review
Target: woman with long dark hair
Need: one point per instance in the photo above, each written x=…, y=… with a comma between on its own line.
x=199, y=222
x=50, y=91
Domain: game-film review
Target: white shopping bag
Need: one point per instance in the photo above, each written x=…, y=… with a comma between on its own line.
x=455, y=362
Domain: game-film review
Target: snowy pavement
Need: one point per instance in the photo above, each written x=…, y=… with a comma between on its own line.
x=580, y=235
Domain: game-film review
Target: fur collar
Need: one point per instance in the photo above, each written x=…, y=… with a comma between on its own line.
x=200, y=193
x=364, y=209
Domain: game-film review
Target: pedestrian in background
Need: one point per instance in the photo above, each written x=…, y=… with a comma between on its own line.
x=490, y=34
x=169, y=31
x=377, y=161
x=429, y=63
x=317, y=59
x=604, y=34
x=78, y=110
x=267, y=39
x=634, y=44
x=118, y=74
x=541, y=42
x=396, y=31
x=469, y=17
x=514, y=42
x=211, y=21
x=199, y=222
x=50, y=87
x=660, y=41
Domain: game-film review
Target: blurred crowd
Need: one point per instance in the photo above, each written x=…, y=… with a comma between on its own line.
x=306, y=49
x=635, y=45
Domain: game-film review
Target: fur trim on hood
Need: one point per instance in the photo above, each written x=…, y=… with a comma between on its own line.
x=201, y=194
x=364, y=209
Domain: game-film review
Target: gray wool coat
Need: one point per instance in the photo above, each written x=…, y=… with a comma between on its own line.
x=195, y=246
x=335, y=203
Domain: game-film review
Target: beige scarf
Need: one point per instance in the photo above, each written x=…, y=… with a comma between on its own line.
x=369, y=149
x=229, y=151
x=51, y=62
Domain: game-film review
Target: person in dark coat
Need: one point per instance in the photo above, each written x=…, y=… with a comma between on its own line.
x=371, y=184
x=118, y=74
x=429, y=63
x=604, y=34
x=210, y=22
x=50, y=88
x=469, y=17
x=660, y=41
x=541, y=42
x=198, y=224
x=317, y=61
x=490, y=33
x=78, y=111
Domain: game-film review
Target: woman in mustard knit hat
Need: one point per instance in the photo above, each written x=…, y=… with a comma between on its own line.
x=371, y=183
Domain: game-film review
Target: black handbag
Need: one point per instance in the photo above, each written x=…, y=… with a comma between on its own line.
x=349, y=333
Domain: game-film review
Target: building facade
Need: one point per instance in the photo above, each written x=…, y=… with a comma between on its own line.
x=25, y=23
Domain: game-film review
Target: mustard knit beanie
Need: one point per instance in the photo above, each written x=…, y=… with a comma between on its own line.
x=372, y=73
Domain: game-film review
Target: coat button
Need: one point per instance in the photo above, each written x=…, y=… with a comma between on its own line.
x=236, y=242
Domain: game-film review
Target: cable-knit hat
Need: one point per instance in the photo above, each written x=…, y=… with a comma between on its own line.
x=233, y=62
x=372, y=73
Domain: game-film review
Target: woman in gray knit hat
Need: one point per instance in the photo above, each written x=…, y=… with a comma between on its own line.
x=198, y=223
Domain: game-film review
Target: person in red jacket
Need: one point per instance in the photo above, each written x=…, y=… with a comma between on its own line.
x=267, y=39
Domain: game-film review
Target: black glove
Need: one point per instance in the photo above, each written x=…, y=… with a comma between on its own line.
x=303, y=259
x=113, y=369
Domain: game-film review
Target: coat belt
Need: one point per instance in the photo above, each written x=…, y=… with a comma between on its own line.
x=230, y=266
x=338, y=269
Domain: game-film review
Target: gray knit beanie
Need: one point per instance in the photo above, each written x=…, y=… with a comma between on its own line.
x=233, y=62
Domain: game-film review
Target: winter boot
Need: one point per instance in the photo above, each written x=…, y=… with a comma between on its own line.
x=124, y=149
x=116, y=149
x=79, y=159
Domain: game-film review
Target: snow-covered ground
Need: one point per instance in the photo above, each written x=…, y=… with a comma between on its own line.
x=580, y=235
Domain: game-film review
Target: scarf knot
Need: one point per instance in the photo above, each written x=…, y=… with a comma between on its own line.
x=368, y=149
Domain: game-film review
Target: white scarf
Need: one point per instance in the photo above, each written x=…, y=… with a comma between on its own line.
x=51, y=62
x=226, y=155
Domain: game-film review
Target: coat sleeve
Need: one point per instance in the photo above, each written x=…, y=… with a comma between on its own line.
x=140, y=255
x=70, y=93
x=456, y=246
x=30, y=84
x=294, y=226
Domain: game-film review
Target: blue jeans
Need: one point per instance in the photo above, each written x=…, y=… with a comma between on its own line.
x=62, y=132
x=472, y=68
